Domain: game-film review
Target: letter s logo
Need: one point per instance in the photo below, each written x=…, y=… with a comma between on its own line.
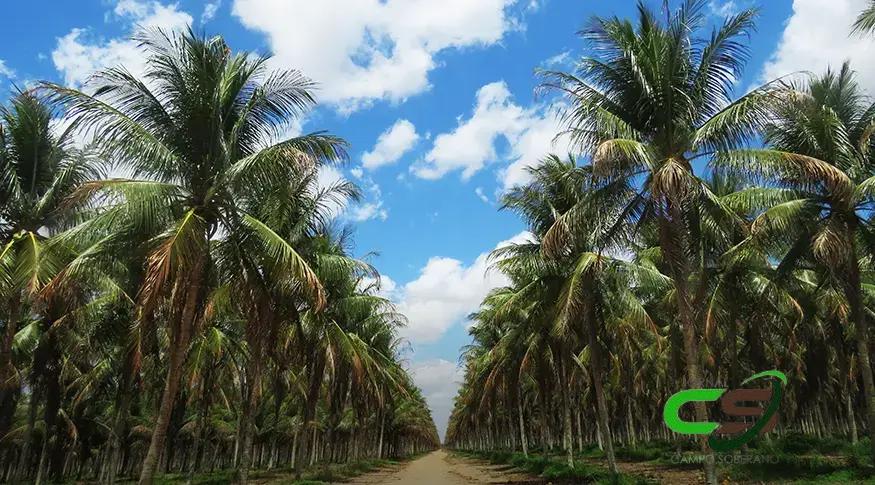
x=778, y=380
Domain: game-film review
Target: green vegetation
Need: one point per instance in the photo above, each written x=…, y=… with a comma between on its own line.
x=555, y=470
x=692, y=239
x=316, y=476
x=198, y=315
x=177, y=304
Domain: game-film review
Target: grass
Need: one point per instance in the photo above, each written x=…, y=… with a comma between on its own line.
x=792, y=457
x=317, y=475
x=555, y=469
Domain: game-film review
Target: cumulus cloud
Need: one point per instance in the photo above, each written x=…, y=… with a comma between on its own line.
x=445, y=292
x=375, y=50
x=561, y=59
x=369, y=210
x=372, y=207
x=816, y=36
x=439, y=381
x=6, y=71
x=77, y=55
x=532, y=145
x=391, y=145
x=383, y=286
x=725, y=8
x=472, y=143
x=210, y=10
x=469, y=147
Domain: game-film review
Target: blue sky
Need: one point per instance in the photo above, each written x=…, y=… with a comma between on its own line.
x=437, y=100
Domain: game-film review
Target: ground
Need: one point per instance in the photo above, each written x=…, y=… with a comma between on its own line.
x=657, y=472
x=442, y=468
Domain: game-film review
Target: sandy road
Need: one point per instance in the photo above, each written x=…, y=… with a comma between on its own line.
x=441, y=468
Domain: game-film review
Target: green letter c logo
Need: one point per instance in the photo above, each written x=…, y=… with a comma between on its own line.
x=676, y=401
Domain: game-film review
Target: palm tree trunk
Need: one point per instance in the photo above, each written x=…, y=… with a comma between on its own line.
x=522, y=425
x=24, y=459
x=119, y=428
x=205, y=402
x=278, y=396
x=247, y=424
x=159, y=434
x=601, y=403
x=670, y=235
x=315, y=384
x=44, y=451
x=382, y=427
x=180, y=339
x=51, y=370
x=9, y=387
x=294, y=454
x=566, y=414
x=854, y=296
x=545, y=420
x=852, y=419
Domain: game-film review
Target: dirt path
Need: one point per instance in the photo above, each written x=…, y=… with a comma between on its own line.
x=441, y=468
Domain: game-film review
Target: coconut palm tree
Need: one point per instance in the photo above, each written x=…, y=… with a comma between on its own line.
x=652, y=100
x=210, y=259
x=595, y=287
x=39, y=170
x=865, y=22
x=198, y=133
x=819, y=156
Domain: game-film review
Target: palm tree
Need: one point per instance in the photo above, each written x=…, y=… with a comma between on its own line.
x=39, y=170
x=820, y=154
x=215, y=261
x=197, y=133
x=865, y=23
x=595, y=287
x=653, y=99
x=296, y=214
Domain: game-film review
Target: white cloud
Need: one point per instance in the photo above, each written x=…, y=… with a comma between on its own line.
x=529, y=133
x=445, y=292
x=726, y=8
x=480, y=193
x=472, y=143
x=77, y=56
x=368, y=211
x=131, y=8
x=561, y=59
x=372, y=49
x=391, y=145
x=817, y=35
x=210, y=10
x=294, y=128
x=357, y=172
x=382, y=286
x=329, y=176
x=439, y=381
x=532, y=145
x=6, y=71
x=372, y=207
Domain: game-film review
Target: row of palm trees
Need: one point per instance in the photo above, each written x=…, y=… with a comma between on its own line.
x=706, y=239
x=176, y=297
